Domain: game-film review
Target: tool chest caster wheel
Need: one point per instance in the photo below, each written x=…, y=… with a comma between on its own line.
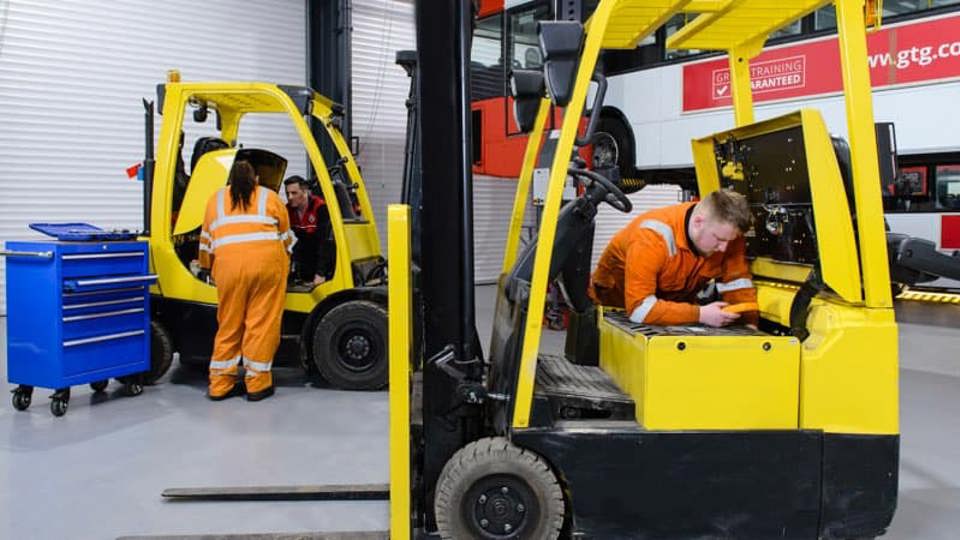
x=99, y=386
x=22, y=396
x=132, y=389
x=60, y=400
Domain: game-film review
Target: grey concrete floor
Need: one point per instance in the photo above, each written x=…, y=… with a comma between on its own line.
x=98, y=472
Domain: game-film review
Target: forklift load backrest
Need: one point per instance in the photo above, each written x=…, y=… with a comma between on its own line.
x=211, y=172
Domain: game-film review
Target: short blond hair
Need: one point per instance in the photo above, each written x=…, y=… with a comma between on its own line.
x=728, y=207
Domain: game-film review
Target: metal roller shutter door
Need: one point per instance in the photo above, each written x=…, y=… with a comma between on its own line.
x=72, y=73
x=380, y=88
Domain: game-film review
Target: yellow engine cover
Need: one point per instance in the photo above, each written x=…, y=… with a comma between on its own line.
x=697, y=378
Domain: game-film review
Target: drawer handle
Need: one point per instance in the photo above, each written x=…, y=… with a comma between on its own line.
x=38, y=254
x=105, y=303
x=93, y=293
x=103, y=256
x=108, y=281
x=102, y=315
x=98, y=339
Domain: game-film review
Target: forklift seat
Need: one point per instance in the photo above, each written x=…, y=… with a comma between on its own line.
x=204, y=145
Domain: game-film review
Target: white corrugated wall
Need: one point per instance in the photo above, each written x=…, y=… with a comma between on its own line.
x=380, y=88
x=72, y=73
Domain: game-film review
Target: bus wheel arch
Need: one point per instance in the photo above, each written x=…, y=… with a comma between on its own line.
x=614, y=136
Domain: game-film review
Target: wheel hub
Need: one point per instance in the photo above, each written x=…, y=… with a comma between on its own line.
x=358, y=347
x=500, y=510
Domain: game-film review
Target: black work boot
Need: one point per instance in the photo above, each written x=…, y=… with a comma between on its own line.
x=237, y=390
x=263, y=394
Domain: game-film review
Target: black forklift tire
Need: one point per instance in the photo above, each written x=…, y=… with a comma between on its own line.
x=161, y=353
x=350, y=346
x=493, y=489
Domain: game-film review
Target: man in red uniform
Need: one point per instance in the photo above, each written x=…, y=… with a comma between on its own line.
x=313, y=253
x=656, y=265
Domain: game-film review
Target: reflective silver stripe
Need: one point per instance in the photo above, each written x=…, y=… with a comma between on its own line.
x=250, y=237
x=665, y=231
x=204, y=235
x=261, y=367
x=220, y=212
x=293, y=240
x=204, y=247
x=242, y=218
x=742, y=283
x=262, y=201
x=225, y=364
x=640, y=312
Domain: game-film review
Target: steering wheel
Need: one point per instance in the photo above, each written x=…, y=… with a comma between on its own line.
x=610, y=193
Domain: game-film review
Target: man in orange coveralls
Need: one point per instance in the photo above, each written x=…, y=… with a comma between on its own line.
x=657, y=264
x=246, y=238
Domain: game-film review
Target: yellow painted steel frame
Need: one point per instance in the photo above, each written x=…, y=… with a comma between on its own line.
x=848, y=365
x=523, y=186
x=548, y=228
x=399, y=297
x=353, y=240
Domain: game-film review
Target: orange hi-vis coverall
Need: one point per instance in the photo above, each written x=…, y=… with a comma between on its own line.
x=651, y=269
x=250, y=254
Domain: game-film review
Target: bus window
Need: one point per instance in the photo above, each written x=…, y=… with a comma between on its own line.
x=948, y=187
x=487, y=75
x=672, y=26
x=826, y=18
x=523, y=48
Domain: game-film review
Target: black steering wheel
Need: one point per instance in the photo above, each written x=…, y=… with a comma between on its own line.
x=609, y=191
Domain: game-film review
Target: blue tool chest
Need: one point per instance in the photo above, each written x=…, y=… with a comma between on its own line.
x=77, y=313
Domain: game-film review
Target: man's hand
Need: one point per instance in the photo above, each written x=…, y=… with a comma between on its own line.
x=318, y=279
x=714, y=315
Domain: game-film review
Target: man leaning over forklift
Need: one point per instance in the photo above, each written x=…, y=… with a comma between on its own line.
x=656, y=266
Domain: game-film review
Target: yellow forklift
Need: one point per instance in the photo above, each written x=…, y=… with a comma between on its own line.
x=637, y=431
x=337, y=328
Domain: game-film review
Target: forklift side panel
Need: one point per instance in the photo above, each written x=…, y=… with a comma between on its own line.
x=750, y=484
x=693, y=377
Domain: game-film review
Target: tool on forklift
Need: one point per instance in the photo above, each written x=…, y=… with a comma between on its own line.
x=337, y=329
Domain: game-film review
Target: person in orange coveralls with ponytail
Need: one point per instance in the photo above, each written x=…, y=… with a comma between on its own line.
x=246, y=239
x=655, y=267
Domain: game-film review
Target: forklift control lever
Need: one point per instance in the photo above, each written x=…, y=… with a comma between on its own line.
x=443, y=360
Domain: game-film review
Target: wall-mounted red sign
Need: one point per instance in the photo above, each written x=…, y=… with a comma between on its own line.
x=911, y=52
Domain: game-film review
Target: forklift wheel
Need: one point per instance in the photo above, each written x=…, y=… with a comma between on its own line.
x=350, y=346
x=161, y=353
x=493, y=489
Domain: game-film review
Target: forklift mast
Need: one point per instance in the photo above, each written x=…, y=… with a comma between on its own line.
x=446, y=273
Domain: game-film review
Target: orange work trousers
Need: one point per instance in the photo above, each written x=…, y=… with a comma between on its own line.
x=251, y=292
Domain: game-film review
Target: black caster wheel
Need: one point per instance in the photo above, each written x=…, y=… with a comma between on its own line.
x=60, y=401
x=99, y=386
x=133, y=389
x=22, y=396
x=59, y=407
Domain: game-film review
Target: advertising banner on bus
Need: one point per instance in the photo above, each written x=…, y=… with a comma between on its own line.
x=906, y=53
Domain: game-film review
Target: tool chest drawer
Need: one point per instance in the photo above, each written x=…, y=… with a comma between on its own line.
x=78, y=313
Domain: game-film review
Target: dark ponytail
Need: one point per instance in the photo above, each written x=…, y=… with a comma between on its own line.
x=243, y=178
